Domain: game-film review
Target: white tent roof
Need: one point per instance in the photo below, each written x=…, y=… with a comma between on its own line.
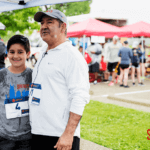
x=8, y=5
x=84, y=17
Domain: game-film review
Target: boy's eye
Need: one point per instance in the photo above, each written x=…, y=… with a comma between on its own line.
x=12, y=52
x=20, y=52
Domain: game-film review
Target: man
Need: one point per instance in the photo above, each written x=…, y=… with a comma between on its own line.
x=59, y=89
x=2, y=54
x=112, y=57
x=94, y=50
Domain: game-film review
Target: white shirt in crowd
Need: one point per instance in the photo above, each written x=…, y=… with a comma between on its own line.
x=111, y=52
x=94, y=48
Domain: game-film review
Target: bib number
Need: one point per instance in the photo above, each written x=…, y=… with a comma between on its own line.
x=17, y=106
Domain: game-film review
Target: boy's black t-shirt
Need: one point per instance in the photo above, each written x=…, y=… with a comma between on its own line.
x=14, y=86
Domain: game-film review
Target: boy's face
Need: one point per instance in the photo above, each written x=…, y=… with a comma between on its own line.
x=17, y=55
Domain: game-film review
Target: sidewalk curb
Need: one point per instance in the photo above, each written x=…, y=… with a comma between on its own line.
x=88, y=145
x=128, y=101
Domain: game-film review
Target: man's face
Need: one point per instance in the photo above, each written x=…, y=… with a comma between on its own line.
x=50, y=30
x=114, y=41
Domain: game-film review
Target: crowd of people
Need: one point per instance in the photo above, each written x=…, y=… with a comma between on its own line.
x=121, y=61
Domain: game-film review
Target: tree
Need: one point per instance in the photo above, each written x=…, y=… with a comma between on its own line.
x=21, y=20
x=74, y=8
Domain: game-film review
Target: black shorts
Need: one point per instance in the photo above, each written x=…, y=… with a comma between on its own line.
x=94, y=68
x=111, y=66
x=144, y=60
x=48, y=142
x=135, y=65
x=124, y=66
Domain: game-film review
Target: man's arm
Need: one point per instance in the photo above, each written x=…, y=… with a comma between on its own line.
x=66, y=140
x=77, y=81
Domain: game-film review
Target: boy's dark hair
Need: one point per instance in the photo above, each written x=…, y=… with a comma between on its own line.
x=80, y=47
x=19, y=39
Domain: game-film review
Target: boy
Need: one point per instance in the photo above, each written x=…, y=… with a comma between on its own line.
x=15, y=130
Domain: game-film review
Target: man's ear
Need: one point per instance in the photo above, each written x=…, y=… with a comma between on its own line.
x=63, y=29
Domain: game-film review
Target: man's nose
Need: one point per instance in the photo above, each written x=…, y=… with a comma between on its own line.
x=44, y=26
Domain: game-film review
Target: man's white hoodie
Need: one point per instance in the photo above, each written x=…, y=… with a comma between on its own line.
x=63, y=76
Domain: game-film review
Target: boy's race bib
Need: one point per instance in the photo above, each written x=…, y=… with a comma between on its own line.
x=16, y=107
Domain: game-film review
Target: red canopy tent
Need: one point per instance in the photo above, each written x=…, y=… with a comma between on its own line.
x=93, y=27
x=138, y=29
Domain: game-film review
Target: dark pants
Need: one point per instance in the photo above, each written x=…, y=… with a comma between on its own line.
x=6, y=144
x=41, y=142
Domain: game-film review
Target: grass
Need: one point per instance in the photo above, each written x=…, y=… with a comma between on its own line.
x=115, y=127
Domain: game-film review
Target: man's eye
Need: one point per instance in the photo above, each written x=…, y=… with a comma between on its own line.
x=19, y=52
x=12, y=52
x=49, y=22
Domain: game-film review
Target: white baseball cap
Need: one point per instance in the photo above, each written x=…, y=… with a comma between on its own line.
x=135, y=44
x=115, y=37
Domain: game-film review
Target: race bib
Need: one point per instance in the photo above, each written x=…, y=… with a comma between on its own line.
x=35, y=93
x=16, y=107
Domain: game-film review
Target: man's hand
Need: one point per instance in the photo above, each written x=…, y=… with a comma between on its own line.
x=64, y=142
x=93, y=52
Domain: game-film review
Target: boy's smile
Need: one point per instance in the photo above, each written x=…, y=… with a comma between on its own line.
x=17, y=56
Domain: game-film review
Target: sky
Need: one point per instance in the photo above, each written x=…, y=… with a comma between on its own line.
x=132, y=10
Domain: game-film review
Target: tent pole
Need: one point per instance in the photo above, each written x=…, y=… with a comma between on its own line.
x=84, y=36
x=142, y=60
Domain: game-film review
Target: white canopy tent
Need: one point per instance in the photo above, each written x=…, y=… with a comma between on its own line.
x=8, y=5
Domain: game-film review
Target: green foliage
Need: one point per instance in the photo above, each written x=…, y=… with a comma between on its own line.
x=74, y=8
x=115, y=127
x=21, y=20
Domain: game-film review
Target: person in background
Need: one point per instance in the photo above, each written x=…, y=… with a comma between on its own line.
x=81, y=49
x=135, y=59
x=112, y=57
x=2, y=54
x=125, y=54
x=142, y=58
x=94, y=50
